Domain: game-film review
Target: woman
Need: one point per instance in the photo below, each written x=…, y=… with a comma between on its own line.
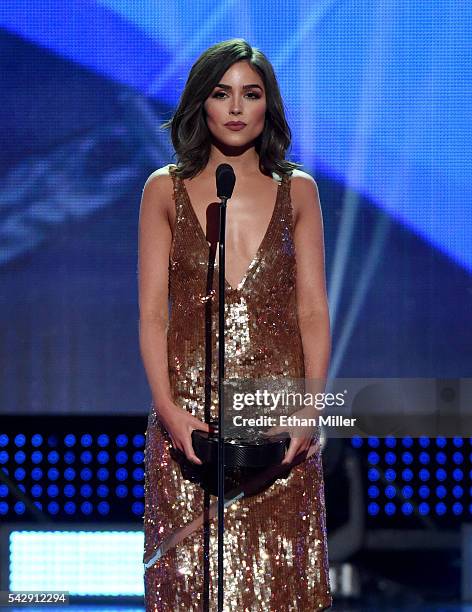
x=277, y=325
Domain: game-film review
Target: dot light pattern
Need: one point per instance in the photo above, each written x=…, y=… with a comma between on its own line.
x=410, y=478
x=72, y=474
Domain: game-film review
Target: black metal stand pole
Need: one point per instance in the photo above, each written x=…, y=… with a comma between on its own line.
x=221, y=374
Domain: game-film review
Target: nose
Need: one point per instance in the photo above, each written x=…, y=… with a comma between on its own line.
x=235, y=107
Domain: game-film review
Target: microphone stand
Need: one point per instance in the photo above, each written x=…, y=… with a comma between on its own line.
x=221, y=373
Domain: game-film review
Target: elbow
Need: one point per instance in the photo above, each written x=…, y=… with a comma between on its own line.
x=315, y=322
x=153, y=319
x=313, y=315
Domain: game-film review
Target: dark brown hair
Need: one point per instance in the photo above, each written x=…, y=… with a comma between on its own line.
x=190, y=135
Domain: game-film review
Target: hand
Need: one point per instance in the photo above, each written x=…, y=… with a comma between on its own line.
x=179, y=423
x=301, y=436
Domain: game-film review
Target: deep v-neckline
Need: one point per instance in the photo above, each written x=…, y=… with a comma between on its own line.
x=265, y=237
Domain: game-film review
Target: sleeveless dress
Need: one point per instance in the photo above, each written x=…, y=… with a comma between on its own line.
x=275, y=547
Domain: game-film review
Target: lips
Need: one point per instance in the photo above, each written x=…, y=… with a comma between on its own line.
x=235, y=126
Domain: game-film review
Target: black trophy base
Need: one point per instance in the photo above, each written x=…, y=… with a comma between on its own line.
x=259, y=452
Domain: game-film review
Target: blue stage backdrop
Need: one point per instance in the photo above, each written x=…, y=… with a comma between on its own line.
x=378, y=98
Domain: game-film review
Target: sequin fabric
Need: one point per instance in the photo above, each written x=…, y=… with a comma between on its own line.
x=275, y=548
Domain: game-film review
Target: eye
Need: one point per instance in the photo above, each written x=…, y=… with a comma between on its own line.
x=250, y=93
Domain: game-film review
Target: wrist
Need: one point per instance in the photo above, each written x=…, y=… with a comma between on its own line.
x=164, y=407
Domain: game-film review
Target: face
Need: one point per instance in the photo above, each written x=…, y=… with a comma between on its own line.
x=239, y=96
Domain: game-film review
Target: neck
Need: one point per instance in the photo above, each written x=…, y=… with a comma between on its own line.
x=244, y=160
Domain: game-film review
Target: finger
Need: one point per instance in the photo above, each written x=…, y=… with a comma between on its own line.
x=179, y=446
x=172, y=441
x=297, y=447
x=302, y=451
x=197, y=424
x=304, y=444
x=291, y=452
x=190, y=453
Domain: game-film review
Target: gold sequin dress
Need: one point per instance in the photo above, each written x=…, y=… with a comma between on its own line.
x=275, y=548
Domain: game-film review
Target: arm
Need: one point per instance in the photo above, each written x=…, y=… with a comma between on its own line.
x=155, y=238
x=312, y=301
x=153, y=253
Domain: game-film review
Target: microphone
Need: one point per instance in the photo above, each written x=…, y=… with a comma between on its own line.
x=225, y=180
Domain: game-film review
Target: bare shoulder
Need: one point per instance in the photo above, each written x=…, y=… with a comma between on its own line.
x=157, y=190
x=304, y=192
x=302, y=180
x=160, y=180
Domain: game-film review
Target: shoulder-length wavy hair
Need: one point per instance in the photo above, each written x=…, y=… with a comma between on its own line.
x=190, y=135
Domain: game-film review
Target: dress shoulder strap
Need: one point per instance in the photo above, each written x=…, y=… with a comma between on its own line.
x=286, y=204
x=177, y=190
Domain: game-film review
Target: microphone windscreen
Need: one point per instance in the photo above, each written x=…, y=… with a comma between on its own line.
x=225, y=181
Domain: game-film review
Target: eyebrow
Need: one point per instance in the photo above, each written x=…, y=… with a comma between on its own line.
x=223, y=86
